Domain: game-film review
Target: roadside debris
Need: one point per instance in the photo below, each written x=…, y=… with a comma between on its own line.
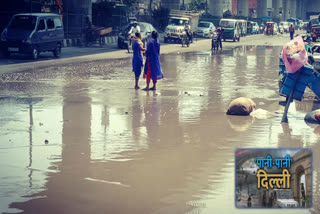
x=313, y=117
x=261, y=114
x=241, y=106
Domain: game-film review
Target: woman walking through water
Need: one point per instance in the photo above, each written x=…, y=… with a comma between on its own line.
x=152, y=68
x=137, y=60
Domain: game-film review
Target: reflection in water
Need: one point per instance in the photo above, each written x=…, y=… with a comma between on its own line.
x=30, y=145
x=152, y=116
x=24, y=159
x=240, y=123
x=128, y=151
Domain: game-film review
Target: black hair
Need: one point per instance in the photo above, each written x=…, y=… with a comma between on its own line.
x=138, y=35
x=154, y=34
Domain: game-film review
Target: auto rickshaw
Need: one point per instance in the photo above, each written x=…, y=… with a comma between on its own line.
x=269, y=28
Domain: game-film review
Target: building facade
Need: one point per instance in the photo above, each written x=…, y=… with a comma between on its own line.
x=279, y=9
x=175, y=4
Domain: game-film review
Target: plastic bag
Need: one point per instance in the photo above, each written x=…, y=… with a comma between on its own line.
x=294, y=55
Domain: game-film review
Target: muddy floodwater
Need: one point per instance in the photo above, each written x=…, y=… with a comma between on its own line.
x=79, y=139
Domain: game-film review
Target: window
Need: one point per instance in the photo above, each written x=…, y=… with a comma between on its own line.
x=41, y=25
x=204, y=25
x=314, y=22
x=149, y=29
x=23, y=22
x=57, y=22
x=176, y=21
x=142, y=28
x=228, y=24
x=50, y=24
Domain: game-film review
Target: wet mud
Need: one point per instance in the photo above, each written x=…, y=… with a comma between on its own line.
x=80, y=139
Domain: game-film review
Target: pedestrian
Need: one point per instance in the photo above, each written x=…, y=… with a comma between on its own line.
x=220, y=33
x=152, y=68
x=271, y=199
x=291, y=30
x=135, y=28
x=264, y=199
x=137, y=60
x=249, y=201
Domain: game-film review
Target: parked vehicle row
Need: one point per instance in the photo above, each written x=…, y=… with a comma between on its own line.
x=32, y=33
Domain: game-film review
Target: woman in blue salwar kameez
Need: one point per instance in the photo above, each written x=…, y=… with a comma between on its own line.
x=152, y=68
x=137, y=60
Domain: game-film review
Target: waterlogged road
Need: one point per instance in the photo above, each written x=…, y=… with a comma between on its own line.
x=112, y=149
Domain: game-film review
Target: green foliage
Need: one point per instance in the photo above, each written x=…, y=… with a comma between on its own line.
x=197, y=5
x=129, y=2
x=107, y=14
x=160, y=17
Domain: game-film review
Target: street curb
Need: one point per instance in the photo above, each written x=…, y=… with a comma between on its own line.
x=110, y=40
x=107, y=40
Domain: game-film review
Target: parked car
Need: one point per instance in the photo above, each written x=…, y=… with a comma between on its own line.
x=255, y=28
x=32, y=33
x=145, y=31
x=205, y=29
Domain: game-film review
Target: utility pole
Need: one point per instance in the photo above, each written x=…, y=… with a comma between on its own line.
x=206, y=7
x=150, y=6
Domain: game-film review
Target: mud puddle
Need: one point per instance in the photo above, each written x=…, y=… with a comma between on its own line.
x=111, y=149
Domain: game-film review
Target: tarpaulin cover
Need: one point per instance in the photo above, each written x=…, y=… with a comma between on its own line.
x=294, y=55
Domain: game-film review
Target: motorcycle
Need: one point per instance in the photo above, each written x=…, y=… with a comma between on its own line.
x=215, y=43
x=129, y=43
x=186, y=39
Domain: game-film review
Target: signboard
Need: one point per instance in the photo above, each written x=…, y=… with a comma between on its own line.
x=253, y=4
x=314, y=17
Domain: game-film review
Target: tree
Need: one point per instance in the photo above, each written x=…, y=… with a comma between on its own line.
x=227, y=14
x=129, y=2
x=197, y=5
x=150, y=6
x=161, y=17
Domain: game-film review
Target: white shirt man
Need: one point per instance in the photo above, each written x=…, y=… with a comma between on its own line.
x=134, y=29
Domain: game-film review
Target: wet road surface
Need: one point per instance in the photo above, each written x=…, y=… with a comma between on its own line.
x=112, y=149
